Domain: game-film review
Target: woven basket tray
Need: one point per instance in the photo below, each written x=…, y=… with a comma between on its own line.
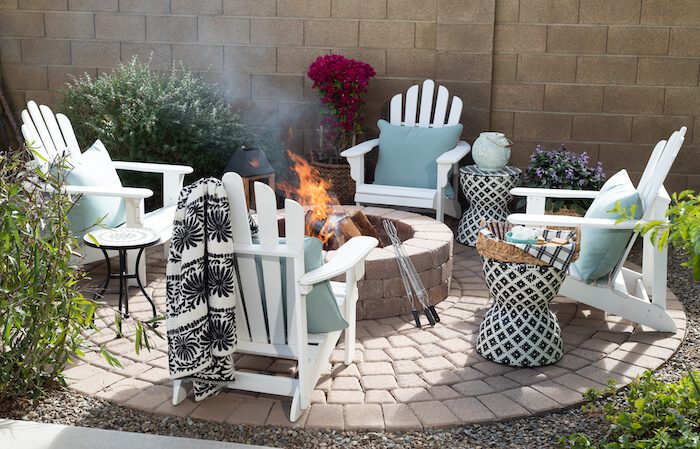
x=506, y=252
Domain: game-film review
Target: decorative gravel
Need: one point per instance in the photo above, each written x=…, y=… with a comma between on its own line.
x=67, y=407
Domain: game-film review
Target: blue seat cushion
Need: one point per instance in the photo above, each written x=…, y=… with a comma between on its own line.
x=602, y=249
x=407, y=154
x=322, y=312
x=94, y=168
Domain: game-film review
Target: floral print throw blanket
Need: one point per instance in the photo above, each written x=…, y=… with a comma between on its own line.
x=201, y=298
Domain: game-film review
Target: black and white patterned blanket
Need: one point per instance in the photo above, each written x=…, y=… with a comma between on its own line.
x=200, y=279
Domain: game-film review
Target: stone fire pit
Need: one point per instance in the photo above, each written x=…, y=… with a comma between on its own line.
x=429, y=244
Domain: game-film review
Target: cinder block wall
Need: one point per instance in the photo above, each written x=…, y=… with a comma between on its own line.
x=607, y=76
x=611, y=77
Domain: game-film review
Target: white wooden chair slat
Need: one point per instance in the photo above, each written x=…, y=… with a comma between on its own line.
x=271, y=271
x=54, y=132
x=294, y=230
x=395, y=110
x=443, y=97
x=411, y=106
x=32, y=138
x=42, y=130
x=251, y=306
x=455, y=112
x=426, y=103
x=434, y=198
x=68, y=134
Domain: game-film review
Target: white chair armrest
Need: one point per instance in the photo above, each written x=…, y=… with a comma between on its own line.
x=146, y=167
x=563, y=220
x=121, y=192
x=455, y=155
x=554, y=193
x=361, y=148
x=353, y=252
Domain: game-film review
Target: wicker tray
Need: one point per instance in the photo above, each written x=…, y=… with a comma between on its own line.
x=506, y=252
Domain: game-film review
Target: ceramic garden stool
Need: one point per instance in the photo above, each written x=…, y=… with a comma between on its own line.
x=488, y=193
x=519, y=329
x=123, y=240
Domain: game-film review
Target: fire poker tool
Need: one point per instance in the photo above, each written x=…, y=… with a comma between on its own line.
x=411, y=280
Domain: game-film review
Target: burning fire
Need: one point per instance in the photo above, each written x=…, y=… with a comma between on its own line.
x=313, y=192
x=254, y=163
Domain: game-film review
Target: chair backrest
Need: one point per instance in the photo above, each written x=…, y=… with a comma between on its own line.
x=49, y=135
x=266, y=317
x=430, y=112
x=658, y=167
x=651, y=185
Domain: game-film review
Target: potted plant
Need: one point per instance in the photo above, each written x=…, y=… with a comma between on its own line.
x=563, y=169
x=340, y=82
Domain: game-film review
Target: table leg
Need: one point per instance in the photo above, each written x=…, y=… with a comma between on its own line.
x=138, y=281
x=109, y=276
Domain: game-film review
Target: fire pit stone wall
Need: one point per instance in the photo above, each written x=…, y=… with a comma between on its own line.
x=428, y=243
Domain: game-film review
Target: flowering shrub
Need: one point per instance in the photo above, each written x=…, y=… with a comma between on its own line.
x=340, y=81
x=563, y=169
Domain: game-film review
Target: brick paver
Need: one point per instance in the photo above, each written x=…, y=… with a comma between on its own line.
x=402, y=377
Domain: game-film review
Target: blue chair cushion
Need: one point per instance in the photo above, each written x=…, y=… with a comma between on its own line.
x=602, y=249
x=94, y=168
x=407, y=154
x=322, y=312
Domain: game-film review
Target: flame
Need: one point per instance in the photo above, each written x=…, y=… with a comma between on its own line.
x=314, y=192
x=254, y=163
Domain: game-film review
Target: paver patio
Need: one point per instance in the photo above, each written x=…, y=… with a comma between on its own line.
x=402, y=377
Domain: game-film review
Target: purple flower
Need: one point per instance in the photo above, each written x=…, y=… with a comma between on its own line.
x=538, y=148
x=583, y=159
x=569, y=173
x=539, y=172
x=581, y=182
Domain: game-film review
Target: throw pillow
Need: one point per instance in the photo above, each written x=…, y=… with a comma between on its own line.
x=407, y=154
x=601, y=249
x=94, y=168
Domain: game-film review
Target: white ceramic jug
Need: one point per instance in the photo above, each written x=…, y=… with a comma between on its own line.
x=491, y=151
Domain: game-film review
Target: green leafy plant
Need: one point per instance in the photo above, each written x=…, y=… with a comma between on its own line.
x=681, y=230
x=145, y=116
x=654, y=414
x=563, y=169
x=43, y=314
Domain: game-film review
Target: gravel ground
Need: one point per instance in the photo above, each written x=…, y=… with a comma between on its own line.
x=66, y=407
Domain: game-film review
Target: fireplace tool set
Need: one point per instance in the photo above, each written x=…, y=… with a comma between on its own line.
x=411, y=281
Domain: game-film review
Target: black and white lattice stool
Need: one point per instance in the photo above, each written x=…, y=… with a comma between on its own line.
x=519, y=329
x=488, y=193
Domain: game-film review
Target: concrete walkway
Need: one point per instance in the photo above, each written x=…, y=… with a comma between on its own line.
x=33, y=435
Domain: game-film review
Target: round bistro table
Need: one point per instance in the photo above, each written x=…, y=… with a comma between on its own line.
x=488, y=193
x=123, y=240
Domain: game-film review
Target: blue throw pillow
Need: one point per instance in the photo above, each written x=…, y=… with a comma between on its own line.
x=601, y=249
x=322, y=312
x=407, y=154
x=94, y=168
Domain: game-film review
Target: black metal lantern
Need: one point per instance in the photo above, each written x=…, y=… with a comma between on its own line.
x=252, y=165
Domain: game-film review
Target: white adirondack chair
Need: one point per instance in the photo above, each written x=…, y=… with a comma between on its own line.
x=51, y=135
x=427, y=117
x=278, y=339
x=638, y=297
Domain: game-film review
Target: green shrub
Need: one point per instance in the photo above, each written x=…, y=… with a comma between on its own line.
x=43, y=314
x=142, y=115
x=654, y=414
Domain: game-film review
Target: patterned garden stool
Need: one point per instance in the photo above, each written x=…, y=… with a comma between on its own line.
x=488, y=193
x=519, y=329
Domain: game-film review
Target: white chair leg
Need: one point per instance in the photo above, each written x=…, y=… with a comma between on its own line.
x=440, y=209
x=179, y=392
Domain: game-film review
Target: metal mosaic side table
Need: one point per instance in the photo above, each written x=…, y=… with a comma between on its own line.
x=123, y=240
x=488, y=193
